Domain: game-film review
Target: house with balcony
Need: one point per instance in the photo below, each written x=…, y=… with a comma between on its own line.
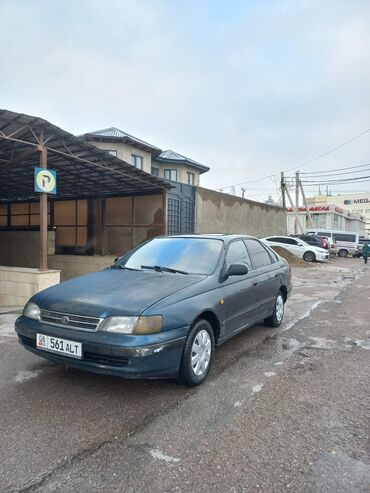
x=168, y=164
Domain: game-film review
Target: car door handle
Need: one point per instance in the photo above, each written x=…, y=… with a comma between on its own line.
x=255, y=283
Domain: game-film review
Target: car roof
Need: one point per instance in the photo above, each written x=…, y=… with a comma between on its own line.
x=212, y=236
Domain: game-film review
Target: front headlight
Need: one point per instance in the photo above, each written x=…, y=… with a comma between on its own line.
x=31, y=310
x=133, y=325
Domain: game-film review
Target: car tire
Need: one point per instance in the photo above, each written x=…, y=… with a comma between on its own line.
x=277, y=317
x=309, y=256
x=343, y=253
x=194, y=371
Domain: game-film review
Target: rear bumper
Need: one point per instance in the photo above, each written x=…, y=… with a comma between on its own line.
x=152, y=356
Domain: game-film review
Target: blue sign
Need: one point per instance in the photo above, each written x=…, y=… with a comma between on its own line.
x=45, y=180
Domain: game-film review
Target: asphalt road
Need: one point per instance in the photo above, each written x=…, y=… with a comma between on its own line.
x=283, y=410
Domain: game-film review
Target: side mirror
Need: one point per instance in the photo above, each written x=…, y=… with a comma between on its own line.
x=236, y=270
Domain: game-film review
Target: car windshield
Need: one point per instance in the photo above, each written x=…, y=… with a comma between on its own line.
x=176, y=255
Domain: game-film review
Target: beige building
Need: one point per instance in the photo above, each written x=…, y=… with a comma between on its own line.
x=168, y=164
x=353, y=203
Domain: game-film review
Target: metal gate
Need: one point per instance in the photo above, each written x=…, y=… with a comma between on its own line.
x=181, y=209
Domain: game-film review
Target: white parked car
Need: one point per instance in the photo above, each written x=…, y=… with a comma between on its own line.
x=298, y=247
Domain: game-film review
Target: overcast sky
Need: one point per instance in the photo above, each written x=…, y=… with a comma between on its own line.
x=249, y=88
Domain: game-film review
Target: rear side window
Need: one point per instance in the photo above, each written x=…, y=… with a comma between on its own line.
x=258, y=254
x=290, y=241
x=277, y=239
x=344, y=237
x=237, y=254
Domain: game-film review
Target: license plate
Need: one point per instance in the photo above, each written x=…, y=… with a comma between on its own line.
x=56, y=345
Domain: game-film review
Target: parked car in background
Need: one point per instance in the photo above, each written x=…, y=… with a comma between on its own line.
x=313, y=240
x=298, y=247
x=160, y=310
x=346, y=241
x=331, y=244
x=361, y=243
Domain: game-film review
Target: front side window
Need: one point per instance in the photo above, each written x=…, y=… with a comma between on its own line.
x=258, y=254
x=155, y=171
x=238, y=254
x=190, y=178
x=191, y=255
x=170, y=174
x=137, y=161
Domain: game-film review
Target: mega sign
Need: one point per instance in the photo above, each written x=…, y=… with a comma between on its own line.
x=356, y=201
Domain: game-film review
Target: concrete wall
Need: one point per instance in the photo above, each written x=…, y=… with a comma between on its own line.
x=217, y=212
x=22, y=248
x=77, y=265
x=18, y=284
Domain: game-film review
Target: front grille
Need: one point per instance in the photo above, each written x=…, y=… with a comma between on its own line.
x=70, y=320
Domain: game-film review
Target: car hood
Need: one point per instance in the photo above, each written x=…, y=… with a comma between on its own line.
x=112, y=292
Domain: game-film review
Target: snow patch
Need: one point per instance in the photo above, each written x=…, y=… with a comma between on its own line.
x=24, y=375
x=269, y=374
x=158, y=454
x=257, y=388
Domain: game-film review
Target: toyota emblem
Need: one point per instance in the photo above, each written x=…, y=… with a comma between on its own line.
x=64, y=320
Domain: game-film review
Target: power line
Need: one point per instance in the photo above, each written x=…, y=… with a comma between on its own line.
x=337, y=169
x=244, y=182
x=339, y=174
x=341, y=180
x=328, y=152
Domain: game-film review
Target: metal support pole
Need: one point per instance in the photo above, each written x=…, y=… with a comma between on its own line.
x=165, y=210
x=43, y=218
x=282, y=187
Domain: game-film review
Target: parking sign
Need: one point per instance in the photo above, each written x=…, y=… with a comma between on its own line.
x=45, y=180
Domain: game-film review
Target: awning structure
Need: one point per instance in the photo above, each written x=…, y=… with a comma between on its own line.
x=83, y=170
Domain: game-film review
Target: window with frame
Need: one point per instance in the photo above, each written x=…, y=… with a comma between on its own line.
x=26, y=214
x=71, y=221
x=3, y=215
x=190, y=178
x=170, y=174
x=155, y=171
x=237, y=253
x=259, y=255
x=113, y=152
x=137, y=161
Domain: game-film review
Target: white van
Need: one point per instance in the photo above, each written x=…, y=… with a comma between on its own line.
x=346, y=241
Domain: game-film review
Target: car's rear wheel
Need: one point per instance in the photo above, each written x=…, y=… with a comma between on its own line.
x=278, y=314
x=197, y=356
x=309, y=257
x=343, y=253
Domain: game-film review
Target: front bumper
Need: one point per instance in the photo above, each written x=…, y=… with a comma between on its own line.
x=149, y=356
x=322, y=257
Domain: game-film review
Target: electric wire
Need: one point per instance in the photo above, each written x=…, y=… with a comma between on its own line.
x=329, y=152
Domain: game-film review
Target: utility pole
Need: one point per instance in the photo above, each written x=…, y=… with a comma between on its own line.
x=296, y=201
x=308, y=214
x=298, y=222
x=282, y=188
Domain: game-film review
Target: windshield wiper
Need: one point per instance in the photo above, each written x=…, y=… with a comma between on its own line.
x=160, y=268
x=123, y=267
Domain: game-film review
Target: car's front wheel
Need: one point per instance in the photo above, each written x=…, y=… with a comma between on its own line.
x=278, y=314
x=309, y=256
x=197, y=356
